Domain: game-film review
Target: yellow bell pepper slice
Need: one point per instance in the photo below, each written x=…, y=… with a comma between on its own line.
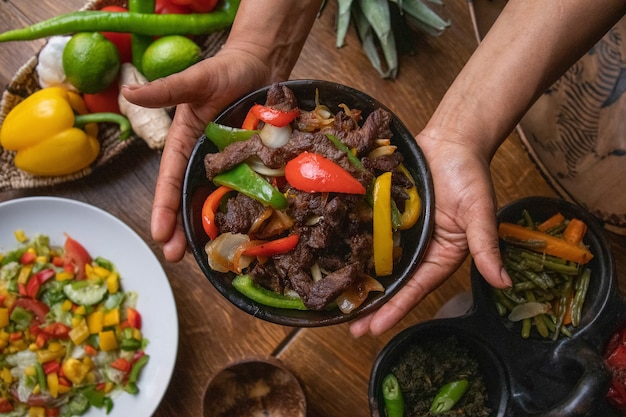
x=412, y=206
x=383, y=233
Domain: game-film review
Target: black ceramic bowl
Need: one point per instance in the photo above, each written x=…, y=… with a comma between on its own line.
x=414, y=241
x=535, y=376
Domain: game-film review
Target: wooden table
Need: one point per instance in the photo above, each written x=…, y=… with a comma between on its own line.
x=332, y=366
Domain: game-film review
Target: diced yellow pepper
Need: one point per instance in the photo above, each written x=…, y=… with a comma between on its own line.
x=95, y=321
x=108, y=341
x=111, y=317
x=53, y=384
x=64, y=389
x=136, y=333
x=30, y=371
x=55, y=347
x=108, y=387
x=64, y=276
x=81, y=310
x=79, y=333
x=6, y=376
x=36, y=412
x=22, y=278
x=4, y=317
x=76, y=320
x=100, y=271
x=87, y=361
x=75, y=370
x=42, y=259
x=20, y=236
x=67, y=305
x=113, y=282
x=45, y=355
x=36, y=389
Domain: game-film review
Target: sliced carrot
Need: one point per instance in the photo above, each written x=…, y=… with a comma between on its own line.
x=545, y=243
x=551, y=222
x=575, y=231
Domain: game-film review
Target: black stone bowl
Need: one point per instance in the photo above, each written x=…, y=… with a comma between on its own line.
x=196, y=188
x=532, y=376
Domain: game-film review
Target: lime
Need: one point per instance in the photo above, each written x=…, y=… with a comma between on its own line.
x=169, y=55
x=91, y=62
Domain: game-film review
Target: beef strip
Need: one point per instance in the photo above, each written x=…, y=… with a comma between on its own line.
x=241, y=211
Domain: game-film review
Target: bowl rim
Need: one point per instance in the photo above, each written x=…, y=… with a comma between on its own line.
x=300, y=319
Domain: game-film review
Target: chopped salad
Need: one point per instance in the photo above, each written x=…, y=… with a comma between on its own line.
x=70, y=336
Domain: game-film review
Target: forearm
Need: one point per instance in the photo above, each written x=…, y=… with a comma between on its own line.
x=530, y=45
x=274, y=31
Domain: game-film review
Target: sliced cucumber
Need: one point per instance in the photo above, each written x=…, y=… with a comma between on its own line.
x=85, y=293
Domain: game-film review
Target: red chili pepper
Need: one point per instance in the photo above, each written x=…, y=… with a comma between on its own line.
x=36, y=306
x=311, y=172
x=209, y=208
x=273, y=247
x=34, y=283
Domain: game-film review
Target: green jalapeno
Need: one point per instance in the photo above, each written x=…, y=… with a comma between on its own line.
x=131, y=22
x=243, y=179
x=448, y=395
x=245, y=285
x=392, y=395
x=222, y=136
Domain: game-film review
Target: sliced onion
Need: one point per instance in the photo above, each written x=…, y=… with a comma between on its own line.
x=258, y=222
x=528, y=310
x=274, y=136
x=355, y=296
x=278, y=223
x=382, y=151
x=221, y=251
x=258, y=166
x=383, y=142
x=316, y=272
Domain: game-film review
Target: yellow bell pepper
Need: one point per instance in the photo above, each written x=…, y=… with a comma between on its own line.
x=45, y=131
x=413, y=206
x=383, y=233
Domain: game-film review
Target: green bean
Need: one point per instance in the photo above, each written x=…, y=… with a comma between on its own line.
x=526, y=327
x=503, y=300
x=137, y=23
x=525, y=285
x=511, y=295
x=582, y=285
x=528, y=220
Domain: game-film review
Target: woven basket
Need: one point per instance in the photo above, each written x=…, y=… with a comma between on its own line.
x=25, y=82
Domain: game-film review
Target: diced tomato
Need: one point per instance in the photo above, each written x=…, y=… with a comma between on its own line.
x=76, y=255
x=40, y=340
x=36, y=306
x=57, y=261
x=90, y=350
x=57, y=330
x=134, y=318
x=122, y=41
x=27, y=258
x=34, y=283
x=5, y=405
x=121, y=364
x=53, y=412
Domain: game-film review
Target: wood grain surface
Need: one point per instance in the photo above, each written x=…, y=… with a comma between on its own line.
x=332, y=366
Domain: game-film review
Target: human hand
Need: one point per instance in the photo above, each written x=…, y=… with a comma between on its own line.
x=464, y=222
x=200, y=93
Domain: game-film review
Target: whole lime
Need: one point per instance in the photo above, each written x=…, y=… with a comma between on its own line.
x=169, y=55
x=91, y=62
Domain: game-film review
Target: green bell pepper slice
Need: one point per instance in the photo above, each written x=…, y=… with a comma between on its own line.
x=222, y=136
x=243, y=179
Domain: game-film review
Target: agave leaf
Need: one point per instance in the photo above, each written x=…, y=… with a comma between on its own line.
x=366, y=34
x=343, y=21
x=377, y=14
x=423, y=16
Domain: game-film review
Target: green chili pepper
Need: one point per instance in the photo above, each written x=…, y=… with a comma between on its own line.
x=222, y=136
x=131, y=22
x=448, y=395
x=133, y=375
x=342, y=147
x=392, y=395
x=139, y=43
x=243, y=179
x=245, y=285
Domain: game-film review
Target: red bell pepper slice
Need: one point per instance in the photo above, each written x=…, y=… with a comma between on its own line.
x=209, y=208
x=34, y=283
x=273, y=247
x=269, y=115
x=121, y=364
x=36, y=306
x=311, y=172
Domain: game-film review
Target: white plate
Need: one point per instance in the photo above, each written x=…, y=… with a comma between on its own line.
x=104, y=235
